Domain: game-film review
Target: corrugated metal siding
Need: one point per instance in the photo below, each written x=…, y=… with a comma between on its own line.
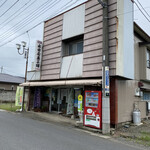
x=112, y=22
x=51, y=59
x=93, y=38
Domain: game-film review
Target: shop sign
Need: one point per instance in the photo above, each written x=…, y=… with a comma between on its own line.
x=80, y=98
x=19, y=96
x=106, y=81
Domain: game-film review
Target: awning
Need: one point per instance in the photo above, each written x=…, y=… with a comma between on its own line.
x=64, y=82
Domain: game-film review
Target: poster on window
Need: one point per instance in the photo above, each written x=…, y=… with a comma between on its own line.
x=70, y=104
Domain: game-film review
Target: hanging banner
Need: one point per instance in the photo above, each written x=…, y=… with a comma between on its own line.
x=37, y=98
x=19, y=96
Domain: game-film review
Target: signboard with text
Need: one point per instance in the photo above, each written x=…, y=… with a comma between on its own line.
x=19, y=96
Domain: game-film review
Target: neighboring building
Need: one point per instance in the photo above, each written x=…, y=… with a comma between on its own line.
x=72, y=61
x=8, y=87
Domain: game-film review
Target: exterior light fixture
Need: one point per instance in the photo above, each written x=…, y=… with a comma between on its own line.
x=24, y=52
x=18, y=46
x=24, y=44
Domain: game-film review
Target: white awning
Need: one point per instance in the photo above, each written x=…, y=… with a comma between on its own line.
x=64, y=82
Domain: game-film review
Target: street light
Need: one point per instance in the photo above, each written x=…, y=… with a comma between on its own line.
x=25, y=51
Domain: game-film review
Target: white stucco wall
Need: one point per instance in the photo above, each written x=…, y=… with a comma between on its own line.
x=33, y=75
x=72, y=66
x=125, y=51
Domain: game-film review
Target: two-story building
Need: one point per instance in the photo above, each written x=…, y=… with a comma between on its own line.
x=71, y=62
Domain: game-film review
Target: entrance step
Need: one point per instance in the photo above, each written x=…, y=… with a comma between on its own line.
x=81, y=126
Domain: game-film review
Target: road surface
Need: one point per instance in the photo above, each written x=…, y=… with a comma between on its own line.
x=23, y=133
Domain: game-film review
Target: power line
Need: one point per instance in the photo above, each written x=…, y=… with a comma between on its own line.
x=127, y=12
x=7, y=20
x=30, y=21
x=27, y=18
x=6, y=34
x=12, y=72
x=143, y=8
x=60, y=11
x=3, y=3
x=9, y=8
x=141, y=11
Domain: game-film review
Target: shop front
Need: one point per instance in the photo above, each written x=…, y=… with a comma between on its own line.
x=67, y=99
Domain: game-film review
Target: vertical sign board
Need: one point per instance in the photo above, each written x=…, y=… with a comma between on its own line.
x=80, y=98
x=37, y=98
x=19, y=96
x=38, y=55
x=106, y=81
x=93, y=109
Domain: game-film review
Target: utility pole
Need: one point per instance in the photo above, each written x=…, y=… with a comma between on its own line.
x=105, y=75
x=1, y=69
x=25, y=52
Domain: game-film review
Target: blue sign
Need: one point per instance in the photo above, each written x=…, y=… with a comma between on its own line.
x=107, y=81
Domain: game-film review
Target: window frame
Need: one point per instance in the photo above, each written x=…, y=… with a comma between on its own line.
x=68, y=42
x=148, y=58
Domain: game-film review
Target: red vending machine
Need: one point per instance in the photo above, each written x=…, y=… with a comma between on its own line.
x=93, y=109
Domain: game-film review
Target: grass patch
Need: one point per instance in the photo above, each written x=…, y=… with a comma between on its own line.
x=145, y=133
x=144, y=138
x=9, y=107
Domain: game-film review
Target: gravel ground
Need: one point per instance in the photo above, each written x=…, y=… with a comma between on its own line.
x=135, y=135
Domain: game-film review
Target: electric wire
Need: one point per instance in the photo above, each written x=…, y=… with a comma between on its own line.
x=60, y=11
x=9, y=32
x=30, y=15
x=30, y=21
x=9, y=8
x=3, y=3
x=143, y=8
x=28, y=18
x=141, y=11
x=127, y=12
x=8, y=19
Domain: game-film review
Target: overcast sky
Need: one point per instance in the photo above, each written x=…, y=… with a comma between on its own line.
x=18, y=16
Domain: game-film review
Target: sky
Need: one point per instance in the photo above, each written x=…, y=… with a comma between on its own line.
x=19, y=16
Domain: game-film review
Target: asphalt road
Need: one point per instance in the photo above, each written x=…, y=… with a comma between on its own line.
x=22, y=133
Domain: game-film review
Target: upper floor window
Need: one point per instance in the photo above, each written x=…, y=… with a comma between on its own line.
x=148, y=58
x=73, y=46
